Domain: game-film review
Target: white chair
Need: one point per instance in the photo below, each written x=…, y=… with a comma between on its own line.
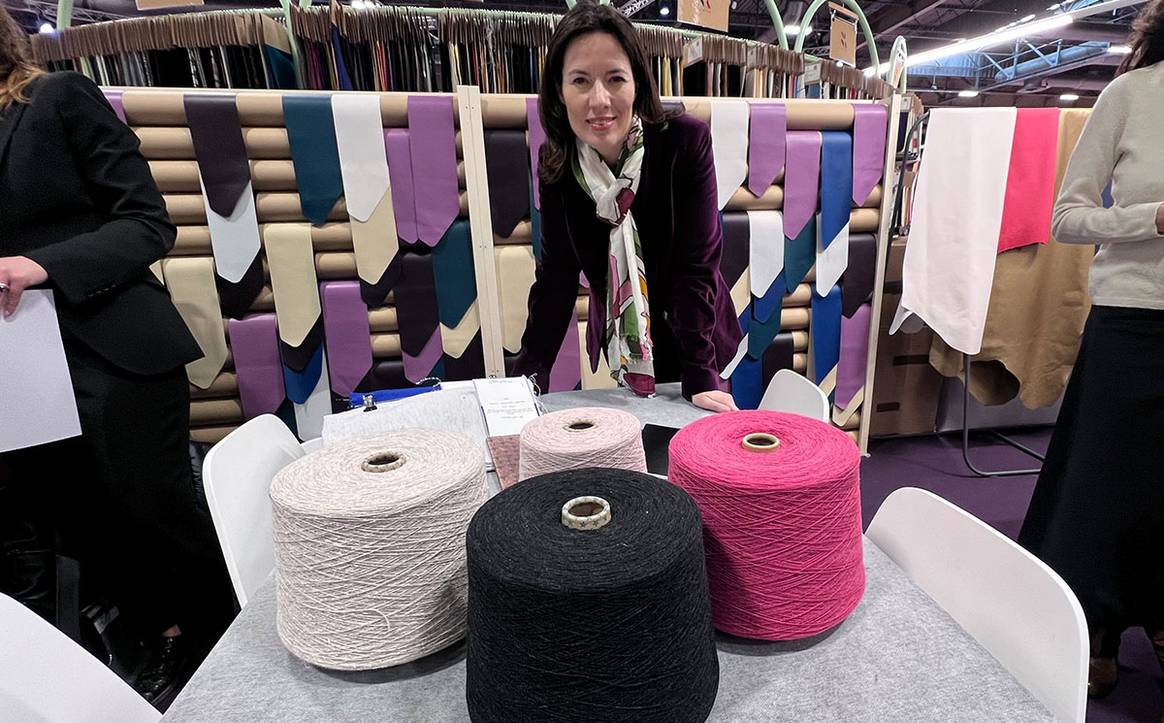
x=1015, y=606
x=46, y=677
x=237, y=478
x=791, y=392
x=312, y=445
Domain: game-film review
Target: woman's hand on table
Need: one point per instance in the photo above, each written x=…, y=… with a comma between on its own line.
x=715, y=401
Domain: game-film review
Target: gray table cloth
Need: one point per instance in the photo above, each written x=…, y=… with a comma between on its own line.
x=898, y=657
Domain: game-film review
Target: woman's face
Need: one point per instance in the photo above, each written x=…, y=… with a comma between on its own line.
x=598, y=90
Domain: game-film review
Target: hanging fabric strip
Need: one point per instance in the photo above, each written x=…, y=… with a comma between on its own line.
x=398, y=145
x=234, y=238
x=599, y=377
x=566, y=373
x=733, y=262
x=801, y=180
x=300, y=384
x=417, y=314
x=221, y=153
x=747, y=378
x=515, y=276
x=359, y=138
x=238, y=298
x=826, y=333
x=761, y=332
x=452, y=266
x=310, y=413
x=779, y=355
x=455, y=340
x=767, y=129
x=470, y=365
x=836, y=183
x=857, y=283
x=293, y=281
x=1030, y=181
x=385, y=374
x=729, y=146
x=254, y=344
x=311, y=133
x=348, y=334
x=957, y=213
x=419, y=366
x=434, y=165
x=766, y=254
x=376, y=246
x=799, y=253
x=537, y=136
x=854, y=356
x=115, y=99
x=505, y=158
x=870, y=125
x=190, y=281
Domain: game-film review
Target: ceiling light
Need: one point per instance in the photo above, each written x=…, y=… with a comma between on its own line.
x=968, y=93
x=1069, y=97
x=986, y=41
x=665, y=11
x=1028, y=18
x=1003, y=35
x=793, y=30
x=47, y=28
x=1119, y=49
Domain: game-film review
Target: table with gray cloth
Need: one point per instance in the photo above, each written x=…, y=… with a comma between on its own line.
x=898, y=657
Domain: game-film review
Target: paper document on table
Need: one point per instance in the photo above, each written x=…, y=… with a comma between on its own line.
x=37, y=405
x=507, y=403
x=449, y=410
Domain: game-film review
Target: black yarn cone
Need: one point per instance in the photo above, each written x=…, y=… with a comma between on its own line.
x=609, y=624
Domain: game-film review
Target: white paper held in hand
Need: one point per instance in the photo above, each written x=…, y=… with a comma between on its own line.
x=37, y=405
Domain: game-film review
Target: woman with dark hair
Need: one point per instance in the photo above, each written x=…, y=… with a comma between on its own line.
x=1097, y=516
x=80, y=214
x=628, y=198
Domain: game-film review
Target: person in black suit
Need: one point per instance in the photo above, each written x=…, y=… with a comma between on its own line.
x=81, y=215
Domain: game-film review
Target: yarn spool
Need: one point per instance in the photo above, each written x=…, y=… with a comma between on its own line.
x=781, y=504
x=581, y=438
x=588, y=602
x=369, y=548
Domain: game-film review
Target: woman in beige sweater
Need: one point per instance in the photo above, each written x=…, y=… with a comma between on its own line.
x=1097, y=516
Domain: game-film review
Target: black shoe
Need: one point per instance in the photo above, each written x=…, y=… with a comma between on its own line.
x=164, y=671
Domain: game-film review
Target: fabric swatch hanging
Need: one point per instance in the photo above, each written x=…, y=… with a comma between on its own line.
x=417, y=313
x=801, y=180
x=729, y=144
x=767, y=130
x=836, y=183
x=432, y=144
x=228, y=197
x=826, y=337
x=505, y=159
x=254, y=344
x=348, y=335
x=870, y=125
x=311, y=133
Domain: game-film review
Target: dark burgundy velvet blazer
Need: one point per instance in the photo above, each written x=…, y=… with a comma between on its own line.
x=693, y=321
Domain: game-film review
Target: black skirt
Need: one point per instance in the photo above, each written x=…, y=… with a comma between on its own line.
x=1097, y=515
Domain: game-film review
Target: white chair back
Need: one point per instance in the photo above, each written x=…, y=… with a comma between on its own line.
x=793, y=393
x=237, y=478
x=48, y=678
x=1007, y=599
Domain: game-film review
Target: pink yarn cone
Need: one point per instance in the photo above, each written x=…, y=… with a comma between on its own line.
x=781, y=521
